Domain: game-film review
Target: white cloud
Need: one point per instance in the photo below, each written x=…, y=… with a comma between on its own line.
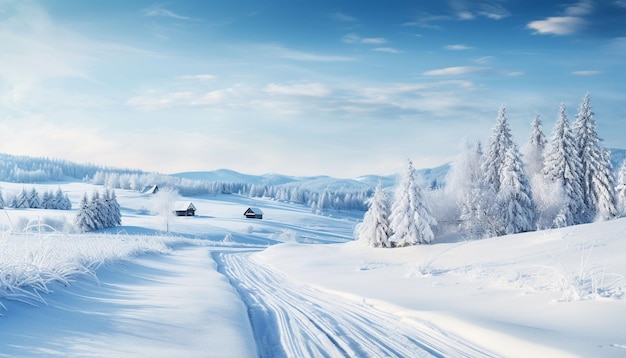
x=353, y=38
x=296, y=55
x=342, y=17
x=453, y=71
x=571, y=22
x=581, y=8
x=458, y=47
x=493, y=11
x=199, y=77
x=309, y=89
x=470, y=10
x=586, y=73
x=563, y=25
x=374, y=40
x=482, y=60
x=157, y=11
x=387, y=49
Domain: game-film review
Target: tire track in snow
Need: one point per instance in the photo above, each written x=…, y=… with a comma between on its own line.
x=293, y=320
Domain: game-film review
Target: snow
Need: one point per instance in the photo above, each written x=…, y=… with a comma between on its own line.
x=295, y=284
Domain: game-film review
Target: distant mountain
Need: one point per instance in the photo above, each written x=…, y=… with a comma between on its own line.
x=433, y=177
x=314, y=183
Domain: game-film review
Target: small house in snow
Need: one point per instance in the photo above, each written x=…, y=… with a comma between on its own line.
x=184, y=208
x=150, y=189
x=253, y=213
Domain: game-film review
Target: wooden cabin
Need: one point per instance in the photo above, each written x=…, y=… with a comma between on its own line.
x=253, y=213
x=184, y=208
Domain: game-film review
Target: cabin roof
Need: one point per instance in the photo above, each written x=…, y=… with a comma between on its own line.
x=183, y=205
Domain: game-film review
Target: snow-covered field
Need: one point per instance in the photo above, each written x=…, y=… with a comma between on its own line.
x=136, y=291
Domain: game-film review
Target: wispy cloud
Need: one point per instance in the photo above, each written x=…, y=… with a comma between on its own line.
x=470, y=10
x=387, y=49
x=586, y=73
x=559, y=25
x=342, y=17
x=353, y=38
x=458, y=47
x=296, y=55
x=198, y=77
x=309, y=89
x=158, y=11
x=454, y=71
x=374, y=40
x=483, y=59
x=570, y=22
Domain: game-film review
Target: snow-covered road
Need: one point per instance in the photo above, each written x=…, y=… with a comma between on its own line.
x=295, y=320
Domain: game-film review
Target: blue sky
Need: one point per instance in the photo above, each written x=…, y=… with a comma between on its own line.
x=299, y=87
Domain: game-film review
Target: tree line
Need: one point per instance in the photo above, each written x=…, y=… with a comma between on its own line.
x=32, y=199
x=561, y=181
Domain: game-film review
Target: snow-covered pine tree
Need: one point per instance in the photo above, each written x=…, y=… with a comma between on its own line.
x=62, y=201
x=514, y=199
x=21, y=200
x=465, y=184
x=465, y=172
x=374, y=230
x=534, y=150
x=507, y=209
x=597, y=179
x=96, y=211
x=499, y=143
x=621, y=188
x=2, y=203
x=411, y=220
x=33, y=199
x=114, y=208
x=84, y=220
x=47, y=200
x=562, y=166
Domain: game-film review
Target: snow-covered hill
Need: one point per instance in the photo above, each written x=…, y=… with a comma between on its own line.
x=550, y=293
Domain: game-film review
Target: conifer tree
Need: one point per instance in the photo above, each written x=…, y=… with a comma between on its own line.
x=374, y=230
x=83, y=220
x=499, y=143
x=21, y=200
x=597, y=179
x=411, y=219
x=562, y=166
x=515, y=201
x=62, y=201
x=505, y=199
x=47, y=200
x=33, y=199
x=535, y=149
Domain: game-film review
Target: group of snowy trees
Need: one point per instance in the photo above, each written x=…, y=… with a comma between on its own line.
x=319, y=201
x=563, y=181
x=32, y=199
x=99, y=212
x=566, y=180
x=404, y=222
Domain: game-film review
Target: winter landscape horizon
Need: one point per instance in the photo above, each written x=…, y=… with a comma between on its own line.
x=308, y=279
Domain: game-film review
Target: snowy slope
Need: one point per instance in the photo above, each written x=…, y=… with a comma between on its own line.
x=554, y=293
